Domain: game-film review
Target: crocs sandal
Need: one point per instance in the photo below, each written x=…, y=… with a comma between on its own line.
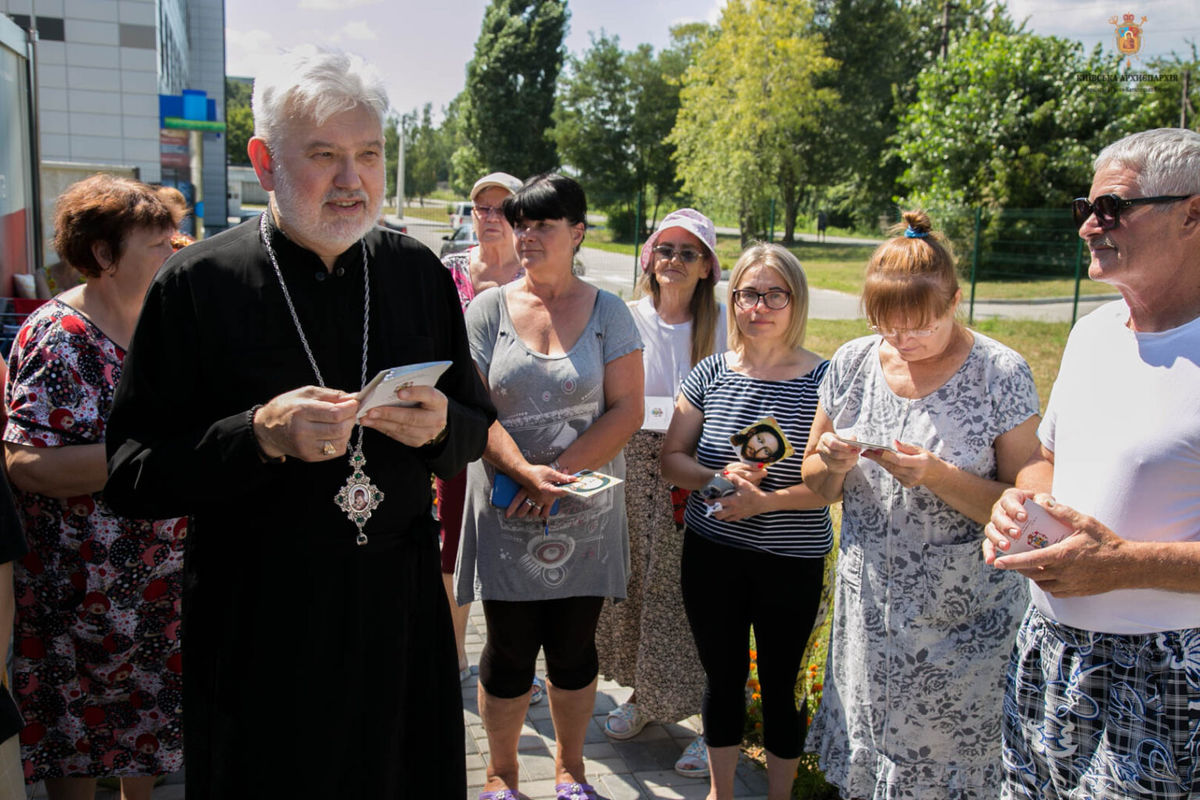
x=573, y=791
x=694, y=761
x=500, y=794
x=624, y=722
x=538, y=693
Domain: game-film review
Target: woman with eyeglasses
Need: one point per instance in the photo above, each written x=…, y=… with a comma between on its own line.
x=644, y=641
x=562, y=361
x=493, y=262
x=922, y=627
x=754, y=550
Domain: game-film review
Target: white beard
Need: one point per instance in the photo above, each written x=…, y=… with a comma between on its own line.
x=302, y=220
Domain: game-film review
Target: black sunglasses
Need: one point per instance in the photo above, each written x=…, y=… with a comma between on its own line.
x=1107, y=208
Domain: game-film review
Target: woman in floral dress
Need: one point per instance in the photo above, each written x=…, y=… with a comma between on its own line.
x=922, y=627
x=97, y=649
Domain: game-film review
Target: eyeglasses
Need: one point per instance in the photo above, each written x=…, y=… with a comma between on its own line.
x=896, y=333
x=686, y=256
x=483, y=212
x=1107, y=207
x=775, y=299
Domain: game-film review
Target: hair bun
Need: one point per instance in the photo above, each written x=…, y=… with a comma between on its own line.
x=918, y=221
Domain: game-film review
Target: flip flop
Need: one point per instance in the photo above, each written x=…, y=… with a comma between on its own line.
x=574, y=791
x=500, y=794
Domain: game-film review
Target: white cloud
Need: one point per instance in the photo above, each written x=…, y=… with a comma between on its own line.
x=335, y=5
x=357, y=30
x=246, y=51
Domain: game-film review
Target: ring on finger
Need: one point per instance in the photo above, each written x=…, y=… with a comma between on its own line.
x=328, y=449
x=529, y=502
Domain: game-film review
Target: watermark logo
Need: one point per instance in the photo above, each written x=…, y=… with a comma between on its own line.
x=1129, y=36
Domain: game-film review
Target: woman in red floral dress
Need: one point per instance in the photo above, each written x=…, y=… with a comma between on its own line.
x=97, y=651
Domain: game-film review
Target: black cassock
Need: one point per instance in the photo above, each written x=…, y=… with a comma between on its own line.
x=313, y=667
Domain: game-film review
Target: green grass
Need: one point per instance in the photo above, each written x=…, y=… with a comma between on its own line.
x=435, y=212
x=1041, y=343
x=840, y=267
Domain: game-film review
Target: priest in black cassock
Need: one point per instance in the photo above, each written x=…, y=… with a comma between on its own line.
x=319, y=660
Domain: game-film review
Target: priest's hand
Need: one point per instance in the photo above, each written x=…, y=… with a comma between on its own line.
x=311, y=423
x=415, y=426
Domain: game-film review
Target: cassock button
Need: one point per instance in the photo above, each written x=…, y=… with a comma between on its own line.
x=339, y=272
x=320, y=276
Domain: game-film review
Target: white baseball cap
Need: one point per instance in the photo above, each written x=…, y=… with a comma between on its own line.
x=501, y=179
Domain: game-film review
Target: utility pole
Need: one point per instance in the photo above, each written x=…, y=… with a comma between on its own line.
x=946, y=6
x=1185, y=101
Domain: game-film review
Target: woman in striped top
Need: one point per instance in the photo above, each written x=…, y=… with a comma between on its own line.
x=756, y=536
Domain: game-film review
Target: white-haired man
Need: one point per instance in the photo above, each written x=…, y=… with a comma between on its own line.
x=1103, y=697
x=319, y=658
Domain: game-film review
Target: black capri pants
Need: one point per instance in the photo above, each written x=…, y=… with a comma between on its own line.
x=725, y=591
x=516, y=630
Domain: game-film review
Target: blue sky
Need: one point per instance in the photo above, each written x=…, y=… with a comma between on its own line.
x=423, y=46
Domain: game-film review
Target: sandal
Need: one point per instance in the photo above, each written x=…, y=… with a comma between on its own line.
x=538, y=692
x=500, y=794
x=573, y=791
x=694, y=761
x=624, y=722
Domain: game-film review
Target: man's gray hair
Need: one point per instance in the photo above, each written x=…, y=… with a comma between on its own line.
x=1166, y=160
x=314, y=84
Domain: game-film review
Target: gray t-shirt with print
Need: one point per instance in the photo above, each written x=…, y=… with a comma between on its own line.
x=545, y=403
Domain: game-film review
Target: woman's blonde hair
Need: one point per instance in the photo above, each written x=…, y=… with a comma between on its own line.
x=703, y=307
x=760, y=254
x=911, y=276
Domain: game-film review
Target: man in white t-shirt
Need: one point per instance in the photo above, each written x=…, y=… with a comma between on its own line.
x=1103, y=697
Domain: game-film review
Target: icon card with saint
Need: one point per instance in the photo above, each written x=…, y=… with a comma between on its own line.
x=761, y=442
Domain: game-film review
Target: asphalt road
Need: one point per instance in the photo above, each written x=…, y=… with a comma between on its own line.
x=616, y=273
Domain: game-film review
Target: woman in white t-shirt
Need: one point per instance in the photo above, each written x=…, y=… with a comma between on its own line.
x=644, y=642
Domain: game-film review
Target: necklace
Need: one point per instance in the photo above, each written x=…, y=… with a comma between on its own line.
x=359, y=497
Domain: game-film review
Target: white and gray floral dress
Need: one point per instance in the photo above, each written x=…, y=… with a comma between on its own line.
x=922, y=628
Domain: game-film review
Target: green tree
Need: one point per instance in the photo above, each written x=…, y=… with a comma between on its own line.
x=615, y=110
x=422, y=156
x=1170, y=103
x=391, y=151
x=881, y=46
x=239, y=121
x=510, y=87
x=748, y=102
x=593, y=121
x=1004, y=121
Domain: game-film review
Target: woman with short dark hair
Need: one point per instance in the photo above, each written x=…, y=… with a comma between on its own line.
x=97, y=658
x=563, y=363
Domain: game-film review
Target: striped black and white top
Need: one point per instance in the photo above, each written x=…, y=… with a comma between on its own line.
x=730, y=402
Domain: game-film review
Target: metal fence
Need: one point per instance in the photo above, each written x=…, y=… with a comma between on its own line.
x=1011, y=244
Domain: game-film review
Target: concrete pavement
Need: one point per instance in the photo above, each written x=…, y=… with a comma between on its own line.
x=637, y=769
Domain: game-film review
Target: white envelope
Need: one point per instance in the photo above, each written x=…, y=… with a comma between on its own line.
x=658, y=411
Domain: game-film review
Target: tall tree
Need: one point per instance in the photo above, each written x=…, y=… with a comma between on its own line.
x=593, y=121
x=748, y=100
x=615, y=110
x=239, y=121
x=422, y=153
x=881, y=46
x=1003, y=122
x=510, y=87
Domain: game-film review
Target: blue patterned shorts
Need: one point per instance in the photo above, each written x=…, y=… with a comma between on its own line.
x=1100, y=716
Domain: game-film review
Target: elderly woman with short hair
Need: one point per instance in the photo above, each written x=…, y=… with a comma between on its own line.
x=97, y=648
x=493, y=262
